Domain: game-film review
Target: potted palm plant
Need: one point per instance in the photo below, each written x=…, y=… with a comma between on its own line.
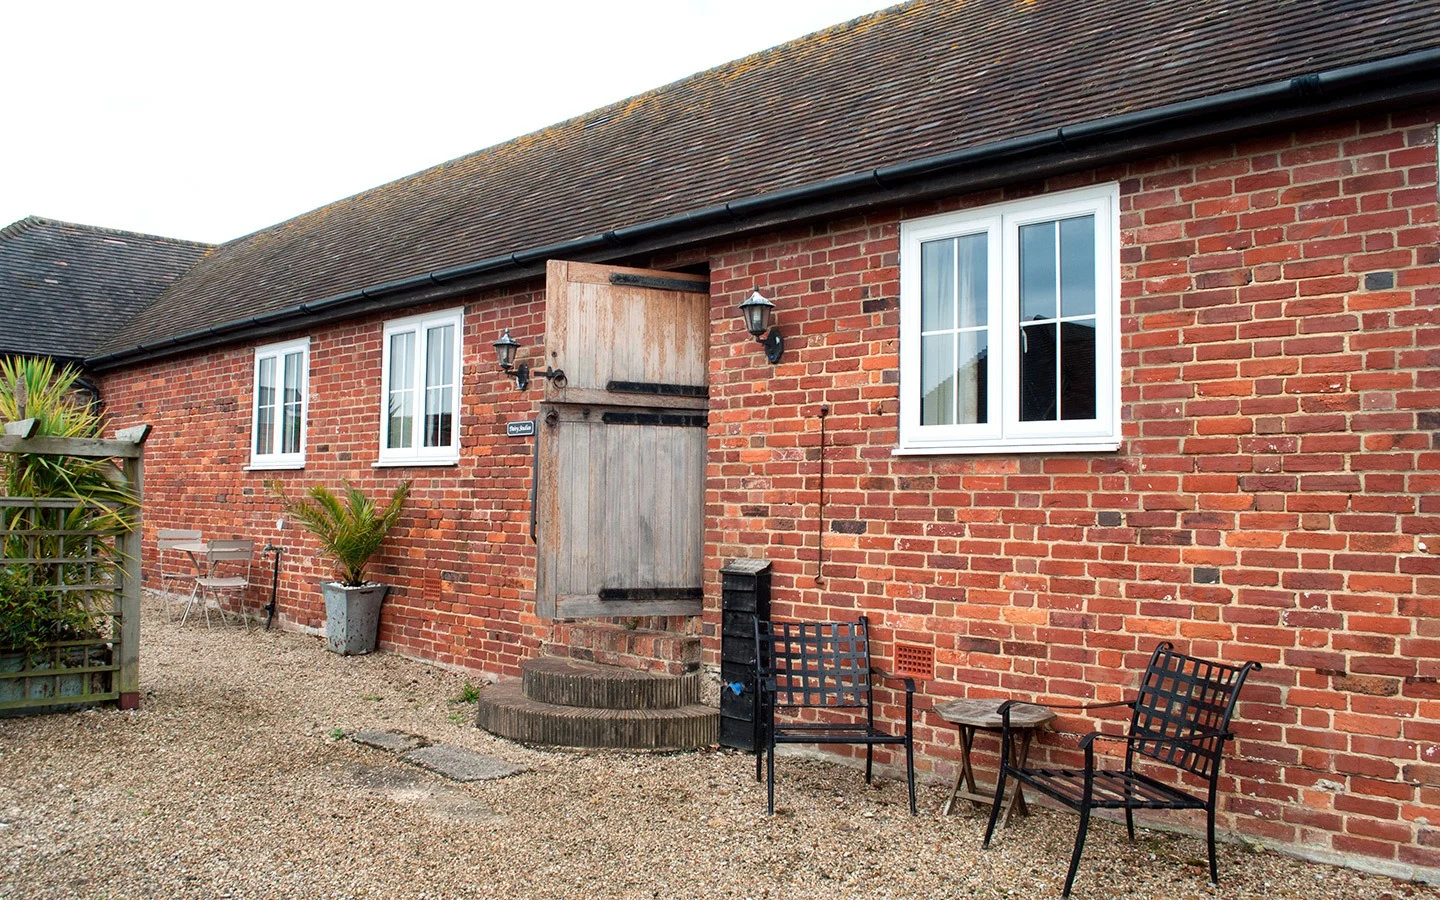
x=350, y=530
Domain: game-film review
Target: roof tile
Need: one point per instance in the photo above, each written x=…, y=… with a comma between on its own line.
x=65, y=288
x=902, y=84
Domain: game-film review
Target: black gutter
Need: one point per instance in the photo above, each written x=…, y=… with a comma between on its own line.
x=1386, y=82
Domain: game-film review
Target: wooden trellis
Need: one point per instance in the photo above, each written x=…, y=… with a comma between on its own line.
x=101, y=572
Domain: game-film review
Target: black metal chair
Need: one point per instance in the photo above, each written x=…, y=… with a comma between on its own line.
x=1181, y=717
x=823, y=666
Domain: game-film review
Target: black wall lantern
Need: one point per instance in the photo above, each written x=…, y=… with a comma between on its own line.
x=758, y=314
x=505, y=352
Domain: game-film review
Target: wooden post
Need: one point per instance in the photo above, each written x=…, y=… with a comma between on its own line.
x=133, y=468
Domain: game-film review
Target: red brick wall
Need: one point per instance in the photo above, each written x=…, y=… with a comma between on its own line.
x=1278, y=429
x=1279, y=424
x=461, y=561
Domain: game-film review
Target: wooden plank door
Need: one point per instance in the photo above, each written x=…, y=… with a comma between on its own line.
x=620, y=470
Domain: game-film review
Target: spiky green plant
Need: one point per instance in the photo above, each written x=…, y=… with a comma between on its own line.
x=34, y=389
x=351, y=530
x=34, y=561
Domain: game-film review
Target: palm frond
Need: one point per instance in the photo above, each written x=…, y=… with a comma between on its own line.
x=350, y=530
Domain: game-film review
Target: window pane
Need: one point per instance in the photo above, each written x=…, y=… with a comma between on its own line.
x=973, y=262
x=438, y=417
x=1037, y=373
x=294, y=398
x=1077, y=266
x=955, y=392
x=973, y=377
x=439, y=362
x=400, y=423
x=1037, y=271
x=265, y=406
x=1077, y=369
x=937, y=379
x=439, y=355
x=937, y=285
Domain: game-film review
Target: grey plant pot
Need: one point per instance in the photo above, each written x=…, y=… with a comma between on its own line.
x=54, y=682
x=352, y=616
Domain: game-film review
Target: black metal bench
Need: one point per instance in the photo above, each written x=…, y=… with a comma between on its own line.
x=822, y=666
x=1181, y=717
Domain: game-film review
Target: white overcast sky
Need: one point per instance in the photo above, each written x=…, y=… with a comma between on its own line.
x=209, y=120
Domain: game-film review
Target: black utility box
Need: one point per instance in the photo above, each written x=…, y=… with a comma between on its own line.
x=744, y=596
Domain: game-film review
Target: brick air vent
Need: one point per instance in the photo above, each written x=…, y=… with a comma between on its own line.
x=915, y=661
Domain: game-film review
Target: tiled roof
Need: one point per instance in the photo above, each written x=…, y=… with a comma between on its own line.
x=905, y=83
x=65, y=288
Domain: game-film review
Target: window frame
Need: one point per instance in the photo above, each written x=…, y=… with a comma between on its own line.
x=417, y=453
x=1005, y=433
x=278, y=352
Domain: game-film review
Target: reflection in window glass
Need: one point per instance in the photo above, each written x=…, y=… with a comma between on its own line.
x=954, y=361
x=439, y=364
x=1038, y=400
x=1037, y=271
x=937, y=285
x=1077, y=266
x=293, y=403
x=937, y=379
x=974, y=374
x=265, y=406
x=1057, y=353
x=400, y=422
x=1077, y=369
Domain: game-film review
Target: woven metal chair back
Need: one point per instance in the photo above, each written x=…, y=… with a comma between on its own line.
x=1186, y=703
x=815, y=664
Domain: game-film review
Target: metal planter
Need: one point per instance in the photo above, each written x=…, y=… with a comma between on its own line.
x=352, y=616
x=64, y=676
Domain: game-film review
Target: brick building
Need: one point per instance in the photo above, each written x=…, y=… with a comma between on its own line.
x=1084, y=349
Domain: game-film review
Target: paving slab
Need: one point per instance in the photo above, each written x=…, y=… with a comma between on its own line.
x=390, y=778
x=460, y=765
x=422, y=790
x=394, y=741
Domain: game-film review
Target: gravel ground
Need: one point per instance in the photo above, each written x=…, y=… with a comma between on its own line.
x=230, y=782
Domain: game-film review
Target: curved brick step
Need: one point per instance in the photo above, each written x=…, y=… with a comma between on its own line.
x=504, y=710
x=575, y=682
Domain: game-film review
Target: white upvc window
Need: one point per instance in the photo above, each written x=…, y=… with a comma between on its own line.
x=282, y=399
x=1010, y=327
x=420, y=408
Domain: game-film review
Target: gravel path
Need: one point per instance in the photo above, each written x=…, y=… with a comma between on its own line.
x=231, y=782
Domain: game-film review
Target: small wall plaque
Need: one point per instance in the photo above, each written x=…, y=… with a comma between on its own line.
x=520, y=429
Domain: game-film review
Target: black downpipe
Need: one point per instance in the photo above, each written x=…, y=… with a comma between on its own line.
x=274, y=580
x=820, y=505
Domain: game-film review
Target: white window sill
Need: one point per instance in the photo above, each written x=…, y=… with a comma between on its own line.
x=415, y=463
x=274, y=466
x=1014, y=448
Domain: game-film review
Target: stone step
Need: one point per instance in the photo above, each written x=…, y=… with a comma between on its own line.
x=504, y=710
x=575, y=682
x=662, y=651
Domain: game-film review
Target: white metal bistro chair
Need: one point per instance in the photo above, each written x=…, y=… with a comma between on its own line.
x=175, y=566
x=227, y=570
